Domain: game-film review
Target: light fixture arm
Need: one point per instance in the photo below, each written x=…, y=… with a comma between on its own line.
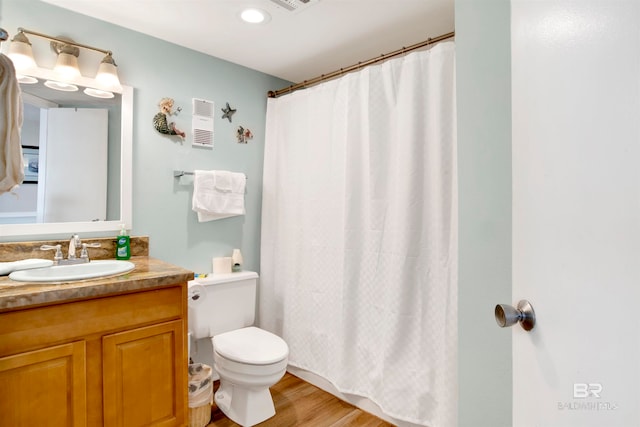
x=64, y=42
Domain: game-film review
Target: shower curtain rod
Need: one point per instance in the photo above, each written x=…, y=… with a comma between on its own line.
x=341, y=71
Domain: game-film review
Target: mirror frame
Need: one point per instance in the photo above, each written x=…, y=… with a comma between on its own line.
x=126, y=177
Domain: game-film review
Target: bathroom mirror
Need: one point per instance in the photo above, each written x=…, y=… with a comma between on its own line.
x=119, y=173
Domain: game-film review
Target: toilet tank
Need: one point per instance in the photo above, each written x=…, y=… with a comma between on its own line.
x=221, y=303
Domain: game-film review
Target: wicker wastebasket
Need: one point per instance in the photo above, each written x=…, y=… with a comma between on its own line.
x=200, y=394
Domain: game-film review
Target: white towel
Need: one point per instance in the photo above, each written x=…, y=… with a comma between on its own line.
x=218, y=194
x=223, y=180
x=11, y=163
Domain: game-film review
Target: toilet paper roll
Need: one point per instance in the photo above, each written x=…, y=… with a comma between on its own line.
x=222, y=265
x=196, y=294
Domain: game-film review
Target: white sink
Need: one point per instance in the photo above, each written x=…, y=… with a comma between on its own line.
x=67, y=273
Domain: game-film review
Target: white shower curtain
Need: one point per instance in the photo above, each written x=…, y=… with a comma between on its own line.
x=359, y=233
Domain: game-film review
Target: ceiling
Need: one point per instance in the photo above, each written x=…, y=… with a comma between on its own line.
x=317, y=38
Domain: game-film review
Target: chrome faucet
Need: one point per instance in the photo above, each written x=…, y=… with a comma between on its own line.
x=57, y=257
x=84, y=254
x=74, y=243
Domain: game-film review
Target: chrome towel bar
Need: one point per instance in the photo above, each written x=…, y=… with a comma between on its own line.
x=178, y=173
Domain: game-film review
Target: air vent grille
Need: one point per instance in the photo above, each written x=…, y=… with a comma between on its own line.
x=202, y=137
x=202, y=123
x=202, y=107
x=295, y=5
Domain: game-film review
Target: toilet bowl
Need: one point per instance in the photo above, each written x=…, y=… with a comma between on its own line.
x=247, y=359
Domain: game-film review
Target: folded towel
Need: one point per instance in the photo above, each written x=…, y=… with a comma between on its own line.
x=217, y=198
x=11, y=163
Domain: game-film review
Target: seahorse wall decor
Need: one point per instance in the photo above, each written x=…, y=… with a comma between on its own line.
x=160, y=121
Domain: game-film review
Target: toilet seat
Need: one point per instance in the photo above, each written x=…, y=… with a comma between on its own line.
x=251, y=345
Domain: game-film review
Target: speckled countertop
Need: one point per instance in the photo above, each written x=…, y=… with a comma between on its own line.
x=148, y=273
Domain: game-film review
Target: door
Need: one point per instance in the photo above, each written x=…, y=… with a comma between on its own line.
x=73, y=165
x=576, y=211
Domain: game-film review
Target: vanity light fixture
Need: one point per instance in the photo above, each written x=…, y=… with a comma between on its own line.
x=108, y=73
x=66, y=68
x=28, y=80
x=67, y=63
x=62, y=86
x=97, y=93
x=21, y=54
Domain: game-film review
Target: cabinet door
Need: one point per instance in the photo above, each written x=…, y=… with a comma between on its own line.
x=44, y=387
x=144, y=372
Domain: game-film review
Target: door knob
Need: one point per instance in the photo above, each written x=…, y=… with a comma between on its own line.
x=507, y=315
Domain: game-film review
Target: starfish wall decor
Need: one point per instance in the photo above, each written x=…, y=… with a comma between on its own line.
x=228, y=112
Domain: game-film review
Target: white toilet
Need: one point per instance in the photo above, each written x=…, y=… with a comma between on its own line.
x=248, y=360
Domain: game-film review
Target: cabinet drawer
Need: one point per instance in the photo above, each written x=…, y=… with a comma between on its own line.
x=38, y=327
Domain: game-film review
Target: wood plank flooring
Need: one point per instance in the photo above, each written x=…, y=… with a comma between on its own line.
x=301, y=404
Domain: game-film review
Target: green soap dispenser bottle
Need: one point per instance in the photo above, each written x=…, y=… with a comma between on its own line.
x=123, y=244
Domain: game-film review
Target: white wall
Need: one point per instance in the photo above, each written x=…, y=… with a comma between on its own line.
x=484, y=162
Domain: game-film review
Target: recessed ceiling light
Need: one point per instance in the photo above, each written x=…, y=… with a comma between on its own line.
x=255, y=16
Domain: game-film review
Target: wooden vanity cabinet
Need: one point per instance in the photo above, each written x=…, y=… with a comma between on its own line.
x=117, y=360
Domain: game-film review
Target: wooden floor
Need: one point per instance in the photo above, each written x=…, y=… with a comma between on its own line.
x=299, y=403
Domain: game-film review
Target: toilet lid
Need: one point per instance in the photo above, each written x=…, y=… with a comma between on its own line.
x=251, y=345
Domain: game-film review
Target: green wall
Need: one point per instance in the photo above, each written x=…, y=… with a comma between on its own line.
x=157, y=69
x=483, y=67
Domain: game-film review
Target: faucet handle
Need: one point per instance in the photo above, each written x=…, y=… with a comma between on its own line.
x=57, y=248
x=84, y=254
